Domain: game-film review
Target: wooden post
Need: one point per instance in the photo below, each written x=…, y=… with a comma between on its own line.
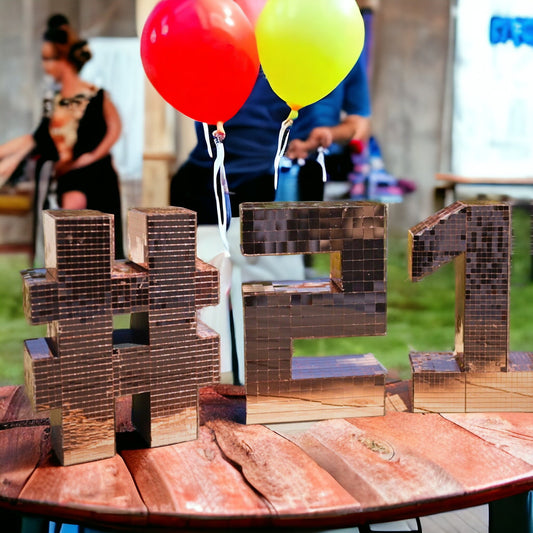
x=159, y=134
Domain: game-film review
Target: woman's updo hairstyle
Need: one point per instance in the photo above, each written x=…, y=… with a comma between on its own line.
x=66, y=42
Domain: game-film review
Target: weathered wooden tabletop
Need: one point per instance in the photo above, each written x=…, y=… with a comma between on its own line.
x=330, y=473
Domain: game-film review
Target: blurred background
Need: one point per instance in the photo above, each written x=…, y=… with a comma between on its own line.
x=447, y=96
x=411, y=77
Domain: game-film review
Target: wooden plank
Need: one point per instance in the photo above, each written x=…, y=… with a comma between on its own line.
x=475, y=464
x=226, y=402
x=23, y=441
x=6, y=395
x=14, y=404
x=292, y=483
x=15, y=203
x=509, y=432
x=454, y=178
x=471, y=520
x=334, y=472
x=192, y=481
x=99, y=492
x=123, y=423
x=20, y=452
x=405, y=459
x=369, y=466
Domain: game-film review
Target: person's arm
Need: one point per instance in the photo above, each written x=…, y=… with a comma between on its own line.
x=114, y=129
x=354, y=125
x=12, y=153
x=351, y=127
x=18, y=144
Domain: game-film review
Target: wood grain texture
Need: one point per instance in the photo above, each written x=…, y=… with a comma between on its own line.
x=454, y=178
x=281, y=472
x=193, y=481
x=15, y=405
x=405, y=464
x=6, y=395
x=509, y=432
x=20, y=452
x=398, y=397
x=23, y=440
x=226, y=402
x=100, y=491
x=474, y=463
x=376, y=471
x=334, y=473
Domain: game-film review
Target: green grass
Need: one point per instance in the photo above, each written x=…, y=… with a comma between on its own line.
x=13, y=326
x=420, y=315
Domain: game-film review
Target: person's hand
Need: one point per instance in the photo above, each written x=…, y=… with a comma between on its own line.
x=83, y=161
x=297, y=149
x=62, y=167
x=321, y=136
x=362, y=127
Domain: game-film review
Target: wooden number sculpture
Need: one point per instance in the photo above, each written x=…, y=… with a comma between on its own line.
x=279, y=387
x=481, y=374
x=83, y=365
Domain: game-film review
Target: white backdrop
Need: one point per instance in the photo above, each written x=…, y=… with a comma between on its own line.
x=116, y=66
x=493, y=107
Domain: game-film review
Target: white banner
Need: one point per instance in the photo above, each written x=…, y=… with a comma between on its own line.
x=116, y=67
x=493, y=93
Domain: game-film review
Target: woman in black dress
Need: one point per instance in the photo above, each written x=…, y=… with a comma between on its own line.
x=80, y=124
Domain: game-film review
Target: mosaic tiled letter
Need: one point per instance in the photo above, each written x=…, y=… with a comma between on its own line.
x=352, y=302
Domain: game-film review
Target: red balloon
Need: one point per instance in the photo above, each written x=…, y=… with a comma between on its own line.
x=201, y=56
x=252, y=8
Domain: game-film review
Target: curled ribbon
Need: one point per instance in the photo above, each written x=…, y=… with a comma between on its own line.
x=283, y=139
x=321, y=160
x=219, y=179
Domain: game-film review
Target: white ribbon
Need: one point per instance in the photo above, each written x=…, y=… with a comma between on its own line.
x=220, y=171
x=283, y=139
x=207, y=139
x=321, y=160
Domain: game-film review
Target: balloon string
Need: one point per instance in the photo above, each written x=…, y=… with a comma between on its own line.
x=219, y=177
x=207, y=140
x=283, y=139
x=321, y=160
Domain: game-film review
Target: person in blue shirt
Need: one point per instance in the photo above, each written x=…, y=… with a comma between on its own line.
x=251, y=143
x=331, y=123
x=250, y=147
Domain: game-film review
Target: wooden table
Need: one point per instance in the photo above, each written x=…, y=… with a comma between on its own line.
x=446, y=191
x=332, y=473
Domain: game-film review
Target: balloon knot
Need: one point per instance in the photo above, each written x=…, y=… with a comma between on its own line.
x=293, y=115
x=219, y=134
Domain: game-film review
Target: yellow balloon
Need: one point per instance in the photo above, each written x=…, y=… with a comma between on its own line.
x=307, y=47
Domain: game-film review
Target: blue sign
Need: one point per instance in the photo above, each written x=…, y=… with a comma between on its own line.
x=516, y=29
